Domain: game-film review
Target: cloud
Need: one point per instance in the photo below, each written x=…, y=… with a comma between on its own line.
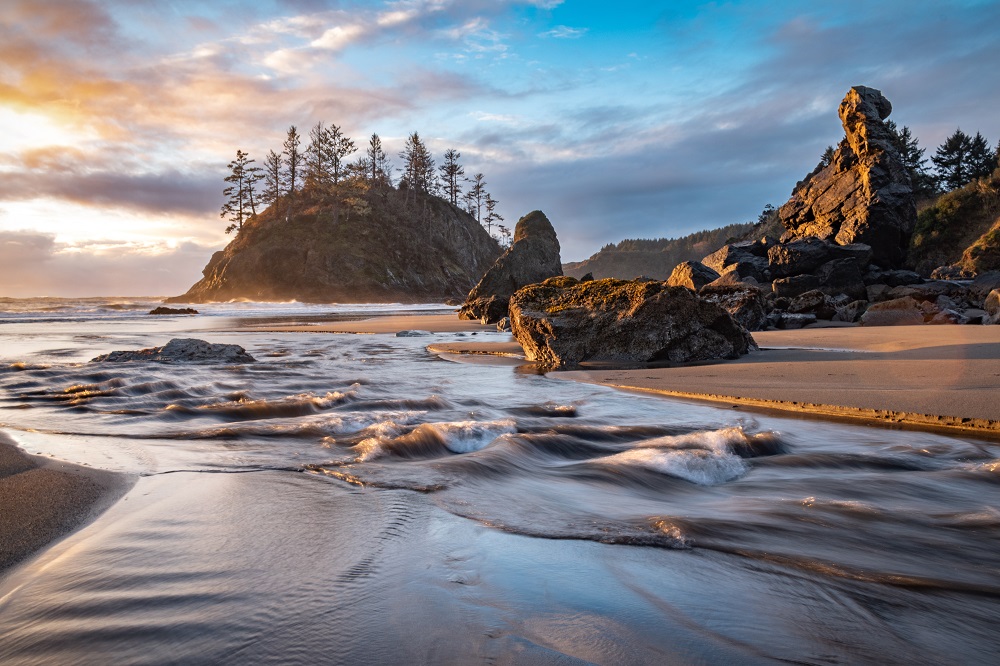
x=564, y=32
x=33, y=264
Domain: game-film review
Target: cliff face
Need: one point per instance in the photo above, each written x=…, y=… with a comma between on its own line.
x=381, y=246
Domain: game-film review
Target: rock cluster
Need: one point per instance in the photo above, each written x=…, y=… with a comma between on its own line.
x=533, y=257
x=562, y=322
x=181, y=350
x=172, y=311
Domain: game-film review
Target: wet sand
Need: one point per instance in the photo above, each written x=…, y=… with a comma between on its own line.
x=437, y=323
x=43, y=500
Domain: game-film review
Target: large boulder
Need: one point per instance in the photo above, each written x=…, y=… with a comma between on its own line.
x=561, y=324
x=864, y=194
x=898, y=312
x=744, y=302
x=692, y=274
x=992, y=307
x=181, y=350
x=749, y=257
x=533, y=257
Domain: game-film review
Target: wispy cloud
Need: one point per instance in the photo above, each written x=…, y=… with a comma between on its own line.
x=564, y=32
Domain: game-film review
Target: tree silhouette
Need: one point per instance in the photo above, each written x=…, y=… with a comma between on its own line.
x=237, y=193
x=377, y=168
x=951, y=161
x=294, y=160
x=340, y=147
x=476, y=197
x=418, y=169
x=451, y=174
x=492, y=217
x=981, y=158
x=272, y=178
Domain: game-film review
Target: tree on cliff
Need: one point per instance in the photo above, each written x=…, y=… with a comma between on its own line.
x=961, y=159
x=340, y=146
x=272, y=178
x=492, y=216
x=318, y=158
x=418, y=165
x=476, y=197
x=451, y=174
x=253, y=175
x=237, y=193
x=912, y=156
x=294, y=160
x=376, y=162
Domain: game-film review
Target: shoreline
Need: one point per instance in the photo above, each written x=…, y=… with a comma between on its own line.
x=45, y=500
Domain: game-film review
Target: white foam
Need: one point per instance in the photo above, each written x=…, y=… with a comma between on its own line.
x=719, y=441
x=469, y=436
x=705, y=468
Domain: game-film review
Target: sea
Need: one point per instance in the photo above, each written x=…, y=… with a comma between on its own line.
x=351, y=499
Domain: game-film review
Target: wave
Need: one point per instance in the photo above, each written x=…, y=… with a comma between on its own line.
x=245, y=409
x=432, y=439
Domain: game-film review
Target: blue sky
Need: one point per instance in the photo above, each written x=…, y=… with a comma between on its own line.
x=619, y=120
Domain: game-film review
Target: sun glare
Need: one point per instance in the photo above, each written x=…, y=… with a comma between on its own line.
x=28, y=130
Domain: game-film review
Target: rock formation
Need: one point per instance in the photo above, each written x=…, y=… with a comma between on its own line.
x=561, y=323
x=385, y=246
x=172, y=311
x=181, y=350
x=744, y=302
x=692, y=274
x=864, y=194
x=533, y=257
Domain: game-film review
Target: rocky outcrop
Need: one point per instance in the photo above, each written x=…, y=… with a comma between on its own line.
x=864, y=194
x=533, y=257
x=181, y=350
x=172, y=311
x=744, y=302
x=384, y=245
x=561, y=323
x=691, y=274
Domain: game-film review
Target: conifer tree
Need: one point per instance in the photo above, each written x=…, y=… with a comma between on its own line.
x=237, y=202
x=951, y=161
x=451, y=174
x=492, y=217
x=418, y=165
x=377, y=162
x=981, y=158
x=340, y=147
x=912, y=156
x=253, y=175
x=272, y=178
x=294, y=160
x=318, y=158
x=476, y=197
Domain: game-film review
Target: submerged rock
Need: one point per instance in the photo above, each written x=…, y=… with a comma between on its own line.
x=864, y=195
x=533, y=257
x=172, y=311
x=561, y=323
x=181, y=350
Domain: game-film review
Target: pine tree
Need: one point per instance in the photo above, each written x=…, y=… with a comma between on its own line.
x=492, y=217
x=294, y=160
x=272, y=178
x=340, y=147
x=237, y=202
x=318, y=158
x=253, y=175
x=451, y=175
x=418, y=169
x=827, y=157
x=912, y=156
x=476, y=197
x=981, y=158
x=951, y=161
x=377, y=162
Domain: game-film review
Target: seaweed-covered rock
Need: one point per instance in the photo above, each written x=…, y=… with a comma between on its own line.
x=627, y=321
x=533, y=257
x=181, y=350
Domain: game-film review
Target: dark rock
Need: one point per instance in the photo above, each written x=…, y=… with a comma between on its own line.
x=791, y=287
x=984, y=284
x=790, y=321
x=691, y=274
x=504, y=324
x=897, y=278
x=878, y=292
x=454, y=302
x=813, y=302
x=897, y=312
x=533, y=257
x=172, y=311
x=744, y=302
x=948, y=317
x=739, y=253
x=851, y=312
x=842, y=276
x=930, y=291
x=864, y=195
x=588, y=277
x=733, y=276
x=182, y=350
x=627, y=321
x=951, y=272
x=412, y=334
x=798, y=257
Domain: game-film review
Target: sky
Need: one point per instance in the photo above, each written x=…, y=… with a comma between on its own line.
x=617, y=119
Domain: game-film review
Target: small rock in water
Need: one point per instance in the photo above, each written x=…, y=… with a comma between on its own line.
x=411, y=334
x=181, y=350
x=172, y=311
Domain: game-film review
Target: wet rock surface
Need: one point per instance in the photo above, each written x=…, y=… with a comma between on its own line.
x=181, y=350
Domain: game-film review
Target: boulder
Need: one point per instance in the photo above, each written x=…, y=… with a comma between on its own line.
x=561, y=325
x=181, y=350
x=813, y=302
x=746, y=254
x=864, y=194
x=743, y=301
x=897, y=278
x=531, y=258
x=851, y=312
x=842, y=276
x=796, y=285
x=732, y=277
x=790, y=321
x=691, y=274
x=931, y=291
x=503, y=325
x=798, y=257
x=984, y=284
x=172, y=311
x=897, y=312
x=992, y=307
x=951, y=272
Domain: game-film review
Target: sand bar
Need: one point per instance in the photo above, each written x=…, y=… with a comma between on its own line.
x=42, y=500
x=435, y=323
x=926, y=376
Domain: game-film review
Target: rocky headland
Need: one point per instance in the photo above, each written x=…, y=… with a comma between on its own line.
x=380, y=245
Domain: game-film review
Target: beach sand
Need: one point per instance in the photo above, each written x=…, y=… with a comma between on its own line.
x=925, y=376
x=43, y=500
x=437, y=323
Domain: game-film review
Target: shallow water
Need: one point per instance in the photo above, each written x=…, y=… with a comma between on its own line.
x=354, y=497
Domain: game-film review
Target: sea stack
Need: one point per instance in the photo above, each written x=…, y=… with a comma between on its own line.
x=864, y=194
x=533, y=257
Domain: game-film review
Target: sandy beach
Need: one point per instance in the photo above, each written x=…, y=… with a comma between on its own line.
x=44, y=500
x=925, y=376
x=434, y=323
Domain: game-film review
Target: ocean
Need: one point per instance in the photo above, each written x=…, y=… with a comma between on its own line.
x=356, y=498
